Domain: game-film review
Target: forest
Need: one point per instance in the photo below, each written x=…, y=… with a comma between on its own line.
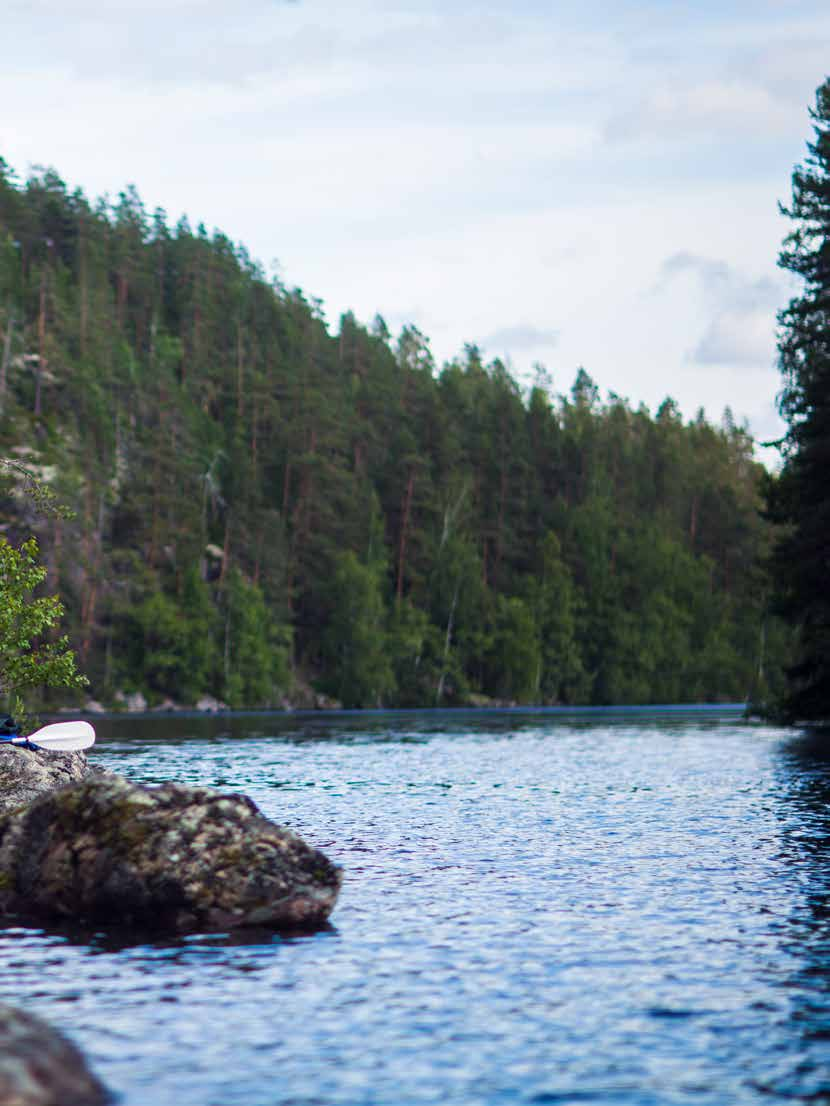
x=272, y=512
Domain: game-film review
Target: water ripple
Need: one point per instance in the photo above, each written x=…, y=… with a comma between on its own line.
x=535, y=911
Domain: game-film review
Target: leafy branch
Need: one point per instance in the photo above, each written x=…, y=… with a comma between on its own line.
x=26, y=660
x=44, y=499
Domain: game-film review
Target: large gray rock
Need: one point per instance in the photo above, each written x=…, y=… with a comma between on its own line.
x=27, y=773
x=106, y=851
x=39, y=1067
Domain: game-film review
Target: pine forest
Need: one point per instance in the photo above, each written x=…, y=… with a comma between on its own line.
x=268, y=511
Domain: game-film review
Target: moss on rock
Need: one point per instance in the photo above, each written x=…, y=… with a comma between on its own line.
x=106, y=851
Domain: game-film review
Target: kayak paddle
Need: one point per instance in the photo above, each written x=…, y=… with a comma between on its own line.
x=64, y=737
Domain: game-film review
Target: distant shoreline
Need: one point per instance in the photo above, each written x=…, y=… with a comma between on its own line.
x=659, y=709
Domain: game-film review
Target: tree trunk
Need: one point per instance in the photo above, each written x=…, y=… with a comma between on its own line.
x=82, y=276
x=500, y=523
x=123, y=289
x=254, y=437
x=447, y=639
x=410, y=484
x=88, y=619
x=286, y=488
x=41, y=334
x=239, y=370
x=5, y=360
x=55, y=558
x=226, y=549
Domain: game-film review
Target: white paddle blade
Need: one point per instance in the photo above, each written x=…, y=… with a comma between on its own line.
x=64, y=736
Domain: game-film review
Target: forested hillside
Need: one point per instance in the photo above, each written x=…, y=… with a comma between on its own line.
x=261, y=505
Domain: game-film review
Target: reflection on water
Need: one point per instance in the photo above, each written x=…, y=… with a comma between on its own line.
x=804, y=814
x=536, y=910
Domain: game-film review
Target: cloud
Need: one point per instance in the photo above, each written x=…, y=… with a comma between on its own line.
x=727, y=75
x=520, y=338
x=741, y=311
x=785, y=66
x=737, y=336
x=718, y=106
x=451, y=158
x=721, y=281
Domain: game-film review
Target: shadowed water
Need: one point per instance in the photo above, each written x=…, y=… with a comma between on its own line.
x=536, y=910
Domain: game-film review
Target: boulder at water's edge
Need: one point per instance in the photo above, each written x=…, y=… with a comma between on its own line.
x=180, y=859
x=27, y=773
x=40, y=1067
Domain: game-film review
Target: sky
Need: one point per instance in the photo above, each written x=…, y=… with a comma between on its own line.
x=573, y=183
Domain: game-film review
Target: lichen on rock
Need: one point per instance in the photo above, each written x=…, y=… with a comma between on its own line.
x=40, y=1067
x=27, y=773
x=107, y=851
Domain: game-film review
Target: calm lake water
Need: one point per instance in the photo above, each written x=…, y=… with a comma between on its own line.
x=624, y=909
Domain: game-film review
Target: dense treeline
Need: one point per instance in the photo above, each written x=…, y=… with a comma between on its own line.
x=259, y=502
x=799, y=500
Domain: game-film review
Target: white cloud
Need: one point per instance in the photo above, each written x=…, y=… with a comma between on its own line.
x=521, y=337
x=739, y=336
x=788, y=65
x=457, y=157
x=741, y=311
x=710, y=107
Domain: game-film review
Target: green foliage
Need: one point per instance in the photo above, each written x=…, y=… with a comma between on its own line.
x=177, y=640
x=414, y=646
x=165, y=659
x=44, y=499
x=513, y=655
x=800, y=500
x=256, y=648
x=560, y=676
x=355, y=641
x=256, y=496
x=27, y=659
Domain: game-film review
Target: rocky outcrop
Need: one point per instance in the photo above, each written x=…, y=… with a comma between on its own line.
x=39, y=1067
x=106, y=851
x=210, y=705
x=27, y=773
x=135, y=702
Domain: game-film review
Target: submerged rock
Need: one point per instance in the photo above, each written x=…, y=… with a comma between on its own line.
x=40, y=1067
x=27, y=773
x=174, y=858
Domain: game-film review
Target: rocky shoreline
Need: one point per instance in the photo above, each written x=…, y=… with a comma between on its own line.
x=86, y=846
x=90, y=846
x=302, y=697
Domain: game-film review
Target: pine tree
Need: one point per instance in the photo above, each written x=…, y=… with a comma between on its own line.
x=801, y=498
x=248, y=486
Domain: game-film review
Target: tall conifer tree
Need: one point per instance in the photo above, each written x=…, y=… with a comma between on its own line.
x=801, y=499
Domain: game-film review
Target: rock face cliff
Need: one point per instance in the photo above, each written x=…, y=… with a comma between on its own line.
x=40, y=1067
x=105, y=851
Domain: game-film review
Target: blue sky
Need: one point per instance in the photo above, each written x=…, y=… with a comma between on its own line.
x=589, y=183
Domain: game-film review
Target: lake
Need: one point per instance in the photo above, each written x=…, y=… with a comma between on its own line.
x=625, y=908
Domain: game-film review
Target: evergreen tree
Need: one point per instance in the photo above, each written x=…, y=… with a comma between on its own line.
x=355, y=640
x=257, y=498
x=255, y=648
x=559, y=675
x=801, y=498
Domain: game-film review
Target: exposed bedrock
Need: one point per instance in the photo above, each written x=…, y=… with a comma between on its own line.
x=170, y=858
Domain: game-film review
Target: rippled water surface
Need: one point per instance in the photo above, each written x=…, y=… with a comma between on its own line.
x=536, y=910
